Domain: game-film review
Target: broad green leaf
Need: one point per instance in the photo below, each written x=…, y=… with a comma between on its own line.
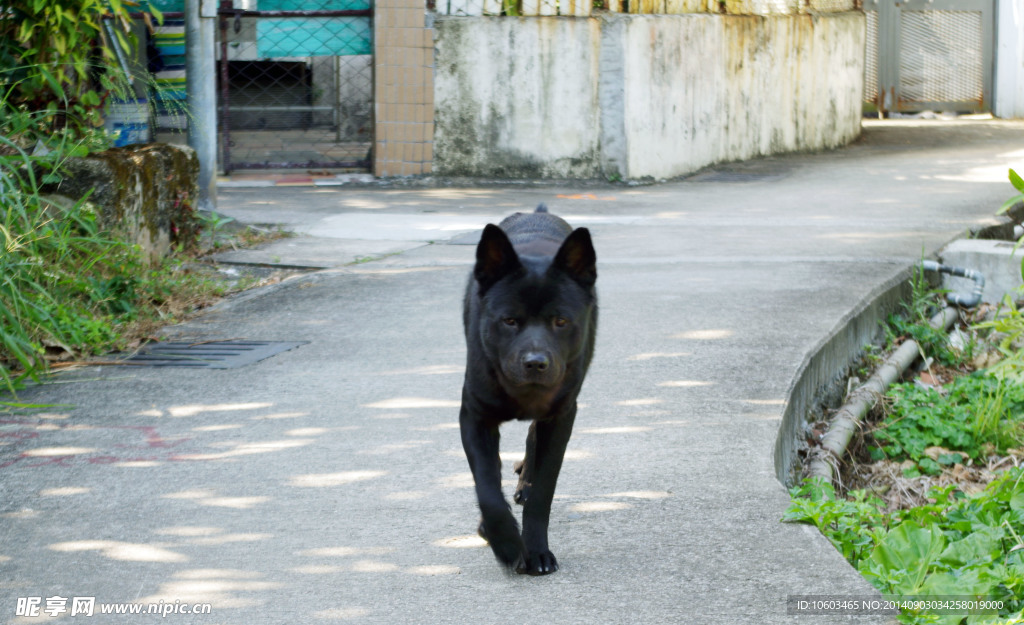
x=947, y=584
x=909, y=548
x=90, y=98
x=982, y=545
x=1016, y=181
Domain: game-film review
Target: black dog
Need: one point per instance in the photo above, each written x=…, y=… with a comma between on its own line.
x=530, y=318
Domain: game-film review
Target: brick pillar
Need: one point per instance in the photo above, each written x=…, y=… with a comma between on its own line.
x=403, y=90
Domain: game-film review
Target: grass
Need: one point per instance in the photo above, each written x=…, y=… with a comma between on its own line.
x=69, y=288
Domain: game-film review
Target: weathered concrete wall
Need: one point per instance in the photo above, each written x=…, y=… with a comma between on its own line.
x=706, y=88
x=641, y=96
x=146, y=193
x=517, y=97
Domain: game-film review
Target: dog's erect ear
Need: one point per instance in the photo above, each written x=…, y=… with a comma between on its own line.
x=577, y=258
x=495, y=257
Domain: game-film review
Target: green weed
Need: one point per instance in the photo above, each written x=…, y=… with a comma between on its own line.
x=1008, y=328
x=1018, y=184
x=960, y=545
x=852, y=525
x=976, y=414
x=914, y=322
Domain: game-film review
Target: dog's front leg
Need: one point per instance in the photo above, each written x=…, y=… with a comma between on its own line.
x=545, y=449
x=498, y=526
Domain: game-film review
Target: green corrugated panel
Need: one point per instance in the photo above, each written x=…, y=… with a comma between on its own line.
x=313, y=5
x=325, y=36
x=165, y=6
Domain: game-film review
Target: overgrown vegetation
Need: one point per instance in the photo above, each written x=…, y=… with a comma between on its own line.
x=68, y=288
x=971, y=418
x=914, y=322
x=958, y=546
x=61, y=61
x=956, y=435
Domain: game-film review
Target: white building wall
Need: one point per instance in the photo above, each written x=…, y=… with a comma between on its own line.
x=1009, y=78
x=641, y=96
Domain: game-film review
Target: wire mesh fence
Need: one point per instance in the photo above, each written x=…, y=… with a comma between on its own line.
x=929, y=55
x=295, y=84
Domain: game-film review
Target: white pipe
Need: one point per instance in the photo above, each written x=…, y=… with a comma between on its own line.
x=861, y=401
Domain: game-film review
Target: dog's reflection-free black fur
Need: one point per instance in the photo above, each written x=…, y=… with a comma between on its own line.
x=530, y=318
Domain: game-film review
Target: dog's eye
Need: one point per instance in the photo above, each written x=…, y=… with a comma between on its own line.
x=561, y=322
x=510, y=321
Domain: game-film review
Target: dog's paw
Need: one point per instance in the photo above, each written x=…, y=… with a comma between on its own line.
x=504, y=539
x=537, y=563
x=522, y=493
x=523, y=489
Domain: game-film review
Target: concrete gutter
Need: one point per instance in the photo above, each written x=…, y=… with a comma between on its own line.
x=820, y=382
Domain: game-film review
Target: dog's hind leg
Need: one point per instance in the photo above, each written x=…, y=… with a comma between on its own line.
x=524, y=468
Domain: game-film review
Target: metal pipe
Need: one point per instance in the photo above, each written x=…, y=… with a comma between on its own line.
x=849, y=418
x=225, y=110
x=118, y=51
x=201, y=79
x=955, y=298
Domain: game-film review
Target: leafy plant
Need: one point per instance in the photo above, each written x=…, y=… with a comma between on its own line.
x=1018, y=184
x=958, y=546
x=213, y=223
x=61, y=59
x=852, y=525
x=977, y=414
x=914, y=322
x=934, y=342
x=1009, y=326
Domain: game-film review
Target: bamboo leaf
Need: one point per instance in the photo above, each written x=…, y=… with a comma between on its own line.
x=1016, y=181
x=1010, y=203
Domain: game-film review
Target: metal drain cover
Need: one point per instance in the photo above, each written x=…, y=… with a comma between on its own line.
x=229, y=354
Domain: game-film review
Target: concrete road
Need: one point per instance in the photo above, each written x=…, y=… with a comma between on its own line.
x=327, y=483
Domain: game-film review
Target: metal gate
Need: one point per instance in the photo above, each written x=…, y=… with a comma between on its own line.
x=295, y=84
x=929, y=55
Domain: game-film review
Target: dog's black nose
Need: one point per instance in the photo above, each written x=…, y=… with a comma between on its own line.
x=535, y=361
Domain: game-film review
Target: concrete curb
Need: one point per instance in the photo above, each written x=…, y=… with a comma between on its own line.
x=820, y=382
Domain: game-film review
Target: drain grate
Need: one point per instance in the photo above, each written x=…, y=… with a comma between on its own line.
x=229, y=354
